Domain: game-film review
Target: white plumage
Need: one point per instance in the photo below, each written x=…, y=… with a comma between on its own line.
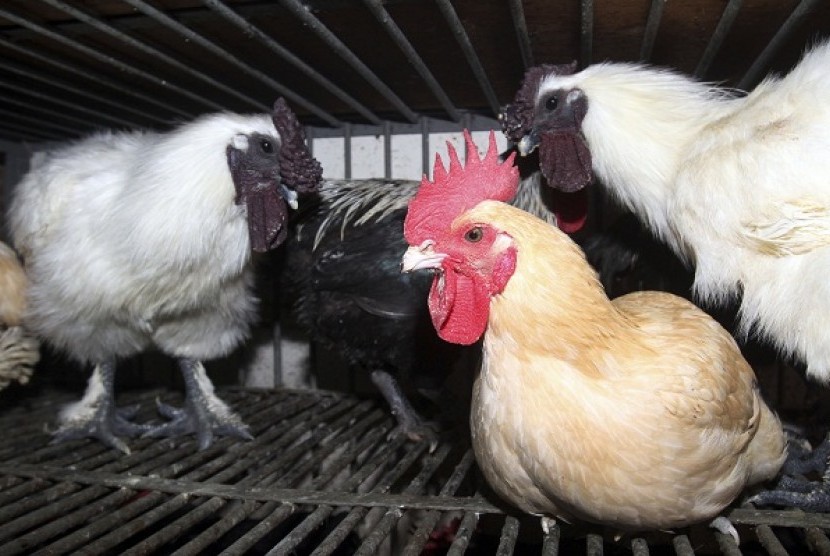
x=135, y=238
x=139, y=239
x=739, y=185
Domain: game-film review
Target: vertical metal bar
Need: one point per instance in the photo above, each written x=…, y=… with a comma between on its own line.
x=586, y=48
x=277, y=379
x=509, y=534
x=387, y=149
x=769, y=541
x=386, y=21
x=517, y=12
x=550, y=546
x=761, y=64
x=639, y=547
x=374, y=539
x=251, y=30
x=655, y=14
x=817, y=541
x=425, y=154
x=682, y=546
x=309, y=139
x=347, y=150
x=419, y=538
x=384, y=458
x=727, y=18
x=593, y=545
x=220, y=52
x=727, y=545
x=465, y=532
x=358, y=437
x=466, y=45
x=338, y=47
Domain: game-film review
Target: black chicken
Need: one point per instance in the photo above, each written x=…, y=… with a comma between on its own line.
x=343, y=281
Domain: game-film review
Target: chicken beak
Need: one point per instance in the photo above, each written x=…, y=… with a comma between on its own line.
x=528, y=143
x=290, y=197
x=421, y=257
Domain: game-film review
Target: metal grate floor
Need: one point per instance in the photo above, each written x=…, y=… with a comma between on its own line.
x=323, y=476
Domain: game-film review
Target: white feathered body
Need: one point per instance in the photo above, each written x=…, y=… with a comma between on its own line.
x=739, y=185
x=132, y=239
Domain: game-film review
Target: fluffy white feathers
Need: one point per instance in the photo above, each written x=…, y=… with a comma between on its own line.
x=133, y=238
x=739, y=185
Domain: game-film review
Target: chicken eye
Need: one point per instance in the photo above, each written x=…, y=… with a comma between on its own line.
x=474, y=235
x=266, y=146
x=551, y=103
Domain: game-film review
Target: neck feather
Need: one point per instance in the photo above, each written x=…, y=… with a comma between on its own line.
x=641, y=122
x=553, y=303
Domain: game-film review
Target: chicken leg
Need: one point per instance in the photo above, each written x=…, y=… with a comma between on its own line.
x=203, y=413
x=409, y=421
x=95, y=415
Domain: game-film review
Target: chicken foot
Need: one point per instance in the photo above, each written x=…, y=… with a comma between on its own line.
x=410, y=423
x=801, y=460
x=793, y=490
x=203, y=413
x=95, y=415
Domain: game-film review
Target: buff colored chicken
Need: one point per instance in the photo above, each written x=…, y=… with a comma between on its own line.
x=19, y=350
x=637, y=414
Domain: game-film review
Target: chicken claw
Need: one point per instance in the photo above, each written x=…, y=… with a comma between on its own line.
x=95, y=415
x=203, y=413
x=548, y=524
x=793, y=489
x=802, y=461
x=796, y=492
x=725, y=527
x=409, y=422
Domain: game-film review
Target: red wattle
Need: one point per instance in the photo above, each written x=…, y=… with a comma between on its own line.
x=459, y=308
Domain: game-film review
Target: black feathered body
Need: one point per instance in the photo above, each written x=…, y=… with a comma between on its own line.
x=343, y=274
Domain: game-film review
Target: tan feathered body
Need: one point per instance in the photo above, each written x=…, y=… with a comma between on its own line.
x=12, y=287
x=638, y=413
x=19, y=350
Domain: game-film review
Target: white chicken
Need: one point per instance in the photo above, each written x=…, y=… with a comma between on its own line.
x=738, y=185
x=139, y=239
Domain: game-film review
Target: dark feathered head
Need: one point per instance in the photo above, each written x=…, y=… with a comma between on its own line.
x=552, y=121
x=268, y=171
x=517, y=118
x=298, y=169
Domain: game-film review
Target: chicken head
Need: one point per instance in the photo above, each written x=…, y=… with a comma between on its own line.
x=473, y=261
x=261, y=168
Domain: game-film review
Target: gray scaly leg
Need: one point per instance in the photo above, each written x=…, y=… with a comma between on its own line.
x=203, y=413
x=95, y=415
x=409, y=422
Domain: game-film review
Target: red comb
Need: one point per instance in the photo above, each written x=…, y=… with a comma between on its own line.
x=458, y=189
